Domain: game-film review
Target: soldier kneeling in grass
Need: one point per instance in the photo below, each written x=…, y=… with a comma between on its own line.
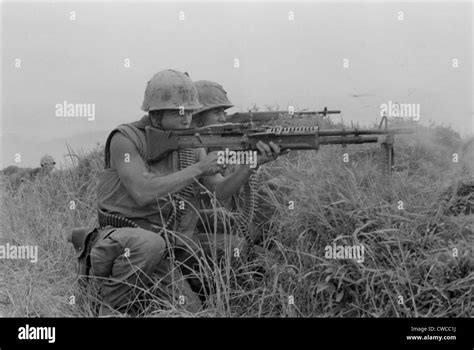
x=18, y=176
x=142, y=224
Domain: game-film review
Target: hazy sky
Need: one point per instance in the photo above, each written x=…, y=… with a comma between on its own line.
x=282, y=62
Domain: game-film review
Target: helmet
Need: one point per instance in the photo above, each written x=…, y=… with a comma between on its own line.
x=211, y=95
x=170, y=89
x=47, y=160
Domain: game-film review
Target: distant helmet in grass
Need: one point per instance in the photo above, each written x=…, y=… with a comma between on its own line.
x=47, y=161
x=170, y=89
x=211, y=95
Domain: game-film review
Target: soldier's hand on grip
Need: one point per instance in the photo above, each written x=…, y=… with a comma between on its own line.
x=267, y=153
x=209, y=165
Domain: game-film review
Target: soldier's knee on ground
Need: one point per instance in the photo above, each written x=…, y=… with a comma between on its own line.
x=125, y=248
x=151, y=245
x=126, y=258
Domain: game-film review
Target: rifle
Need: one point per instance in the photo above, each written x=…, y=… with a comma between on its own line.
x=258, y=117
x=244, y=137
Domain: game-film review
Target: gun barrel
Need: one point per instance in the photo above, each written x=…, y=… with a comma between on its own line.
x=325, y=112
x=338, y=140
x=364, y=132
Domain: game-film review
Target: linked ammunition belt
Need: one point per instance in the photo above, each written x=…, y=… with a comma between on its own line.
x=106, y=219
x=118, y=221
x=246, y=216
x=187, y=157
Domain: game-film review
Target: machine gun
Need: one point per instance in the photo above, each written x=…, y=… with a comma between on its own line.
x=244, y=137
x=264, y=117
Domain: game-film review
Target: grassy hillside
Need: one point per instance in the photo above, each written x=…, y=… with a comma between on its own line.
x=409, y=269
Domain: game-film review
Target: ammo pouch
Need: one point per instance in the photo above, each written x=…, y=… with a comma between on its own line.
x=83, y=239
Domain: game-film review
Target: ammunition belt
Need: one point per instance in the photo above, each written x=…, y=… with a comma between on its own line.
x=187, y=157
x=118, y=221
x=246, y=216
x=114, y=220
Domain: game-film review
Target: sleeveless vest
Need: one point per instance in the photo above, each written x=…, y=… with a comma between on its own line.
x=113, y=197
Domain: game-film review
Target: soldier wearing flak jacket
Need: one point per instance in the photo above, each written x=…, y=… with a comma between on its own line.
x=126, y=261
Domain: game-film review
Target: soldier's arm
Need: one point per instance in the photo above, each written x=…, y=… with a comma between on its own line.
x=143, y=185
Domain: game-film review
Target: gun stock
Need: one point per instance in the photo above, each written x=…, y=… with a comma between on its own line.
x=160, y=143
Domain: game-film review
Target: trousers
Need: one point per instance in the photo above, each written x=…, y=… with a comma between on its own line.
x=130, y=263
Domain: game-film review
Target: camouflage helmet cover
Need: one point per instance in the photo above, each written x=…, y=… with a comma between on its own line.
x=170, y=89
x=47, y=159
x=211, y=95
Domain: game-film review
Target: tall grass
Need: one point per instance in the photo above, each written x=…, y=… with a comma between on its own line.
x=409, y=269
